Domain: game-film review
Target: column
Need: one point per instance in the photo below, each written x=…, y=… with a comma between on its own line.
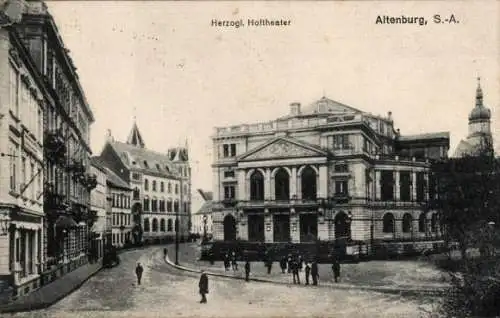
x=26, y=251
x=414, y=185
x=272, y=194
x=242, y=186
x=293, y=183
x=322, y=185
x=295, y=227
x=426, y=186
x=267, y=184
x=397, y=192
x=377, y=180
x=16, y=266
x=35, y=252
x=268, y=227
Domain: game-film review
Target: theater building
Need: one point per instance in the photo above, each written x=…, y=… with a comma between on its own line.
x=321, y=173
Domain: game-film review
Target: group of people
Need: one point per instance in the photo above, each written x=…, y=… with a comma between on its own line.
x=230, y=261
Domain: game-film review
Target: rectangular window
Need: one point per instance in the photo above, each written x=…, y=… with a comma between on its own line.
x=233, y=150
x=136, y=176
x=420, y=186
x=229, y=174
x=405, y=186
x=228, y=192
x=225, y=150
x=169, y=206
x=341, y=142
x=387, y=185
x=341, y=187
x=341, y=168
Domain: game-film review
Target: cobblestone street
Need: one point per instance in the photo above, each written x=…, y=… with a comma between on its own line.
x=168, y=292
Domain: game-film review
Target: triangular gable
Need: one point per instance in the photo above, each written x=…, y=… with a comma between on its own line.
x=326, y=105
x=282, y=148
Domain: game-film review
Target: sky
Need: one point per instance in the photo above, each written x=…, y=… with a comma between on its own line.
x=164, y=63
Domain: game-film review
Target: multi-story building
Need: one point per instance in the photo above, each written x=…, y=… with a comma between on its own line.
x=119, y=194
x=160, y=185
x=98, y=204
x=67, y=119
x=201, y=220
x=326, y=172
x=479, y=136
x=23, y=96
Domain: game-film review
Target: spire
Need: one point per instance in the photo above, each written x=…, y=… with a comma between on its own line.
x=135, y=138
x=479, y=93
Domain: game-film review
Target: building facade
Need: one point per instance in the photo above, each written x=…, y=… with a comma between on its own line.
x=98, y=204
x=160, y=186
x=121, y=214
x=201, y=220
x=329, y=171
x=67, y=119
x=23, y=96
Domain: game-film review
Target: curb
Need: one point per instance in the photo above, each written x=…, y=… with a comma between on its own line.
x=13, y=308
x=398, y=291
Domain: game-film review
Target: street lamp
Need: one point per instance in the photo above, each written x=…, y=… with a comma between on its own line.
x=204, y=228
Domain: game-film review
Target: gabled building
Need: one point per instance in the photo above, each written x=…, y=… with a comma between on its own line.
x=202, y=219
x=98, y=204
x=324, y=172
x=160, y=183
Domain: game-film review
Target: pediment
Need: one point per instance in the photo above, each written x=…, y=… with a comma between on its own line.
x=282, y=148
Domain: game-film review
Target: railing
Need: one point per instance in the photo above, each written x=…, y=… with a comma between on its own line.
x=55, y=145
x=395, y=204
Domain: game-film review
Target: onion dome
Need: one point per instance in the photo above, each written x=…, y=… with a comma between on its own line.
x=480, y=112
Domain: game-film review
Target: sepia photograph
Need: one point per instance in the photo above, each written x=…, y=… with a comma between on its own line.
x=249, y=158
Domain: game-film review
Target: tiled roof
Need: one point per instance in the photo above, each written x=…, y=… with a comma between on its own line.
x=116, y=181
x=149, y=161
x=437, y=135
x=205, y=208
x=206, y=195
x=98, y=163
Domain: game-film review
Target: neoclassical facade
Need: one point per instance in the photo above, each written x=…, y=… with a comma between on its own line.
x=322, y=173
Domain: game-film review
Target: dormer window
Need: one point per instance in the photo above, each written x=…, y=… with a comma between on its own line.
x=158, y=167
x=167, y=169
x=146, y=164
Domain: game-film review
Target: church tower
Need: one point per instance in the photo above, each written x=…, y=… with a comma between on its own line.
x=135, y=138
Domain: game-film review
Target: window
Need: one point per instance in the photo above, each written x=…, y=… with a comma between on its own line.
x=388, y=223
x=185, y=189
x=146, y=225
x=387, y=185
x=155, y=225
x=136, y=194
x=229, y=174
x=146, y=164
x=233, y=150
x=162, y=225
x=341, y=187
x=169, y=205
x=154, y=205
x=23, y=173
x=434, y=223
x=154, y=185
x=14, y=90
x=341, y=168
x=422, y=224
x=162, y=205
x=176, y=189
x=146, y=185
x=169, y=225
x=12, y=164
x=136, y=176
x=169, y=188
x=341, y=142
x=420, y=186
x=407, y=223
x=162, y=187
x=225, y=150
x=158, y=167
x=405, y=186
x=146, y=204
x=176, y=206
x=228, y=192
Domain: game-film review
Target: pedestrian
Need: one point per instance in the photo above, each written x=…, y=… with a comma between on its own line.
x=336, y=270
x=165, y=252
x=138, y=272
x=301, y=263
x=227, y=265
x=308, y=271
x=295, y=271
x=289, y=263
x=203, y=285
x=314, y=273
x=283, y=264
x=269, y=265
x=247, y=270
x=234, y=262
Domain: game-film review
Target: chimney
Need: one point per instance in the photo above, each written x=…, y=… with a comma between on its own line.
x=295, y=109
x=109, y=137
x=389, y=115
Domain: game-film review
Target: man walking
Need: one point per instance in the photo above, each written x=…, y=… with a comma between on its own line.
x=203, y=285
x=283, y=264
x=336, y=270
x=295, y=271
x=314, y=273
x=247, y=270
x=138, y=272
x=269, y=265
x=308, y=271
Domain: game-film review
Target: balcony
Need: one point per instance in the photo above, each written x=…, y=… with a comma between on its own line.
x=340, y=198
x=90, y=181
x=55, y=146
x=77, y=168
x=279, y=203
x=396, y=204
x=229, y=203
x=53, y=201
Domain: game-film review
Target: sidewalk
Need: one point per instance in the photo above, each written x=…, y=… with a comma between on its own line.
x=49, y=294
x=379, y=276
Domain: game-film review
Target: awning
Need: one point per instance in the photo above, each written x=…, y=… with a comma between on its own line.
x=65, y=222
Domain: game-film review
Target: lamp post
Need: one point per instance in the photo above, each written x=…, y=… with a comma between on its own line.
x=204, y=228
x=177, y=225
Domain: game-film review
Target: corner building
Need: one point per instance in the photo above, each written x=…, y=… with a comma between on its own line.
x=330, y=171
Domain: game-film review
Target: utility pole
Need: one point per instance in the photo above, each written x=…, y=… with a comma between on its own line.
x=177, y=224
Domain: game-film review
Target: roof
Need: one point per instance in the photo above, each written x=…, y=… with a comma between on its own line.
x=205, y=208
x=437, y=135
x=116, y=181
x=135, y=137
x=326, y=105
x=206, y=195
x=136, y=158
x=97, y=162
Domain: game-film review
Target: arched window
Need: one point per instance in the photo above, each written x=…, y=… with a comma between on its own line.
x=136, y=194
x=176, y=206
x=169, y=188
x=407, y=222
x=169, y=205
x=421, y=223
x=257, y=186
x=154, y=204
x=162, y=225
x=146, y=204
x=146, y=225
x=162, y=205
x=434, y=226
x=169, y=225
x=176, y=226
x=155, y=225
x=388, y=223
x=308, y=183
x=154, y=185
x=282, y=185
x=146, y=185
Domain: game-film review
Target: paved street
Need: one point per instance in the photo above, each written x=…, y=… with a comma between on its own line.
x=167, y=292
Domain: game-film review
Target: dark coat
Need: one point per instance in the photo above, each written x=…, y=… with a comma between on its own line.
x=203, y=284
x=139, y=270
x=247, y=267
x=336, y=268
x=314, y=269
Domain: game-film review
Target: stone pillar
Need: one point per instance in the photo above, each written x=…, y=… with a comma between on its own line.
x=272, y=194
x=26, y=251
x=293, y=183
x=268, y=227
x=377, y=184
x=243, y=194
x=35, y=251
x=267, y=185
x=414, y=185
x=322, y=185
x=426, y=186
x=294, y=226
x=216, y=184
x=397, y=185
